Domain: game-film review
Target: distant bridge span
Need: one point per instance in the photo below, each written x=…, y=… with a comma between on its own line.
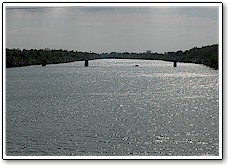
x=87, y=63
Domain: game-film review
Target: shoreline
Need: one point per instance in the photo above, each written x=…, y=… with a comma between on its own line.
x=207, y=55
x=27, y=65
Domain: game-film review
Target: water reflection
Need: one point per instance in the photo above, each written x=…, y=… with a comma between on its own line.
x=112, y=108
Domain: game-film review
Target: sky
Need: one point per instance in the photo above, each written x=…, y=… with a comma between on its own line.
x=111, y=28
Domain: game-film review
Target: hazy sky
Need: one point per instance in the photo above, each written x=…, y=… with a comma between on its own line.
x=107, y=29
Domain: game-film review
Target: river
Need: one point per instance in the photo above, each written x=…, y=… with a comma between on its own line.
x=112, y=108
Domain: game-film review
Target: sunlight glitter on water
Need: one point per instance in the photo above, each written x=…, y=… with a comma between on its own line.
x=112, y=108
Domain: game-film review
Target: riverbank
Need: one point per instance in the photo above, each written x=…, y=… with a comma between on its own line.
x=207, y=55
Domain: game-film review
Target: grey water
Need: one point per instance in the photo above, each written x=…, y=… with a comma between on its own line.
x=112, y=108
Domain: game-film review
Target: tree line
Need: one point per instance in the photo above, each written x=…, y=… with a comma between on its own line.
x=207, y=55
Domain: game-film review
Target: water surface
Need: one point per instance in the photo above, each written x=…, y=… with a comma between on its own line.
x=112, y=108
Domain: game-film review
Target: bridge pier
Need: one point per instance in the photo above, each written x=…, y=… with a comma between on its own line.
x=86, y=63
x=43, y=62
x=175, y=64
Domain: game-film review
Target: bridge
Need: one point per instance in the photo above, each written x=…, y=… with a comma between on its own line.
x=87, y=63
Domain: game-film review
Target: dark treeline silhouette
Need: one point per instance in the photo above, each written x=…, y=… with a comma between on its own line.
x=207, y=55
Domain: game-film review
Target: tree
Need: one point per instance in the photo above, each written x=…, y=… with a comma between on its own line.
x=148, y=52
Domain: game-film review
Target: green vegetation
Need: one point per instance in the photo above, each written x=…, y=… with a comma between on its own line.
x=207, y=55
